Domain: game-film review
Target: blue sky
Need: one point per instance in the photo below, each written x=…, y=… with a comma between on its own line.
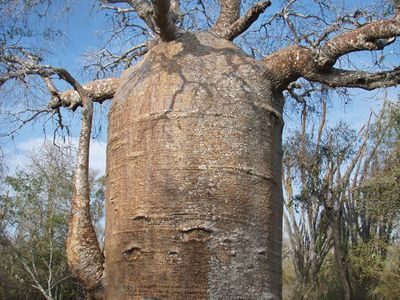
x=82, y=29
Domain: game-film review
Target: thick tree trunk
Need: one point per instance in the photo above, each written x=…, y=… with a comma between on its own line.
x=194, y=176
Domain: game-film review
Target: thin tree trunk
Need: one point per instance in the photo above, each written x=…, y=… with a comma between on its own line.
x=340, y=258
x=85, y=258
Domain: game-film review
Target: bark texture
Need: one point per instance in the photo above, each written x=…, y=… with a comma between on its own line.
x=229, y=13
x=98, y=91
x=291, y=63
x=194, y=200
x=243, y=23
x=85, y=259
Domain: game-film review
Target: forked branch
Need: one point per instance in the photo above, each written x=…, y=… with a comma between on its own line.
x=230, y=25
x=229, y=13
x=84, y=255
x=97, y=91
x=316, y=64
x=244, y=22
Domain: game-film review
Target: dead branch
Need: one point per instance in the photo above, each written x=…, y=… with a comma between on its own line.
x=142, y=8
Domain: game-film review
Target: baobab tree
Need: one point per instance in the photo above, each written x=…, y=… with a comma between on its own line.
x=194, y=192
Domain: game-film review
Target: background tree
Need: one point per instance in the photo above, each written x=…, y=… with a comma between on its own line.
x=305, y=184
x=375, y=237
x=35, y=209
x=330, y=170
x=194, y=144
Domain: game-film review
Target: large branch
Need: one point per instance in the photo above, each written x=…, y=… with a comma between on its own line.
x=229, y=13
x=357, y=79
x=293, y=62
x=159, y=15
x=84, y=255
x=372, y=36
x=163, y=17
x=244, y=22
x=98, y=91
x=287, y=65
x=85, y=258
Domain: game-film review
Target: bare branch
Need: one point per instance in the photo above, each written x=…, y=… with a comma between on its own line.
x=143, y=9
x=85, y=258
x=357, y=79
x=117, y=9
x=293, y=62
x=229, y=14
x=372, y=36
x=244, y=22
x=104, y=61
x=98, y=91
x=7, y=241
x=50, y=86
